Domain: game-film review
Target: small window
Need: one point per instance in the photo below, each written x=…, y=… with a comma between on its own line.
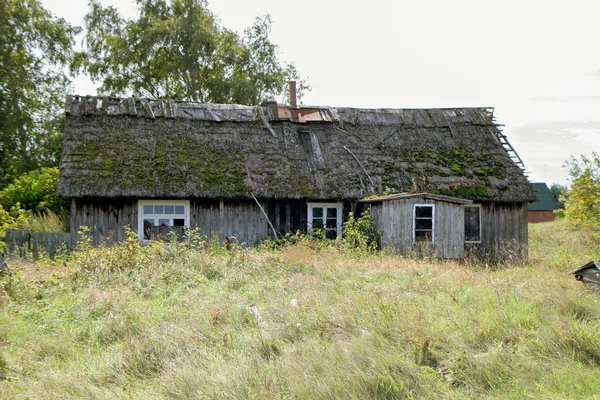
x=326, y=217
x=473, y=224
x=423, y=224
x=161, y=213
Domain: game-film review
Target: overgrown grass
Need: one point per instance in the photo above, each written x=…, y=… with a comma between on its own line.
x=47, y=221
x=303, y=321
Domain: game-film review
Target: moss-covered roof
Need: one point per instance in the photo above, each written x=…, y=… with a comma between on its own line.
x=159, y=149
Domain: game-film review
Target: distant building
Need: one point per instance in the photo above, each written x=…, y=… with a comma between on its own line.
x=542, y=210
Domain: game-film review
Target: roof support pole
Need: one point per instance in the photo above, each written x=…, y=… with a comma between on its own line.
x=360, y=164
x=265, y=214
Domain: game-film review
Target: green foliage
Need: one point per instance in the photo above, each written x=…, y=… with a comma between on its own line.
x=15, y=218
x=562, y=247
x=181, y=52
x=35, y=191
x=34, y=46
x=359, y=235
x=165, y=320
x=47, y=221
x=560, y=193
x=582, y=204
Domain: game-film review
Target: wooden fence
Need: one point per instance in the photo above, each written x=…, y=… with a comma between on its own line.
x=25, y=244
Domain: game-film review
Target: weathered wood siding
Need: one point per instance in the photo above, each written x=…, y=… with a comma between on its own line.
x=239, y=218
x=503, y=229
x=394, y=218
x=24, y=243
x=503, y=232
x=244, y=220
x=105, y=218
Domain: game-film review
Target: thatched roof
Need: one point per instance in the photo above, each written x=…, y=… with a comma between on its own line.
x=160, y=149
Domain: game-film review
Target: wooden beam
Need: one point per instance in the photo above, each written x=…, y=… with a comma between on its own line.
x=359, y=163
x=265, y=214
x=263, y=117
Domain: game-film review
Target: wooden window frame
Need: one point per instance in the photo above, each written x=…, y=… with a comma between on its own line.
x=414, y=227
x=158, y=202
x=480, y=226
x=339, y=217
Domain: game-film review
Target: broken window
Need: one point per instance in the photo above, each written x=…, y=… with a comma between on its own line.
x=423, y=223
x=472, y=224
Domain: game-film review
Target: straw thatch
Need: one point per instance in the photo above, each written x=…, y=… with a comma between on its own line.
x=158, y=149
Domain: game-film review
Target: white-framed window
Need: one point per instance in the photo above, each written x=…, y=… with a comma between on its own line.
x=473, y=223
x=327, y=217
x=423, y=223
x=157, y=213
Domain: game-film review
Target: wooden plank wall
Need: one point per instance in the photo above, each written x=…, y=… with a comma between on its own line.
x=105, y=218
x=394, y=218
x=503, y=229
x=243, y=219
x=504, y=232
x=449, y=230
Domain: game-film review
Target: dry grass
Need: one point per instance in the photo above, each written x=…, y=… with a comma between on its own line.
x=306, y=321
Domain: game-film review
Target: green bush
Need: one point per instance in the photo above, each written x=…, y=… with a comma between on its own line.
x=359, y=235
x=15, y=217
x=35, y=191
x=582, y=202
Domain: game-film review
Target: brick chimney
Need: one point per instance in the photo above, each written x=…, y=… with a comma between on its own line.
x=293, y=103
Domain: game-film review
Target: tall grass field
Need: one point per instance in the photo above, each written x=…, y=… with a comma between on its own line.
x=302, y=321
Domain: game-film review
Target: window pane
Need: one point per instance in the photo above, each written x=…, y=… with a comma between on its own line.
x=332, y=213
x=169, y=209
x=164, y=222
x=148, y=209
x=178, y=222
x=148, y=224
x=317, y=212
x=179, y=210
x=159, y=209
x=424, y=224
x=423, y=212
x=472, y=232
x=317, y=223
x=331, y=223
x=422, y=236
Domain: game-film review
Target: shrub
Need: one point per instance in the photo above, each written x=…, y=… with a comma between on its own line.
x=16, y=218
x=582, y=205
x=35, y=191
x=359, y=235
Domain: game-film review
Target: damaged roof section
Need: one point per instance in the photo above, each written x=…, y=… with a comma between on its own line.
x=152, y=109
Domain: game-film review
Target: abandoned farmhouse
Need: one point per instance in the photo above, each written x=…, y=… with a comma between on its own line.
x=443, y=179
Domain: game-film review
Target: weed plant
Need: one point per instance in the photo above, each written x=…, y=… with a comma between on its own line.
x=300, y=320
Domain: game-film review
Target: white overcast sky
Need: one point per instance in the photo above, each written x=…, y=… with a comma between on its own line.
x=536, y=62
